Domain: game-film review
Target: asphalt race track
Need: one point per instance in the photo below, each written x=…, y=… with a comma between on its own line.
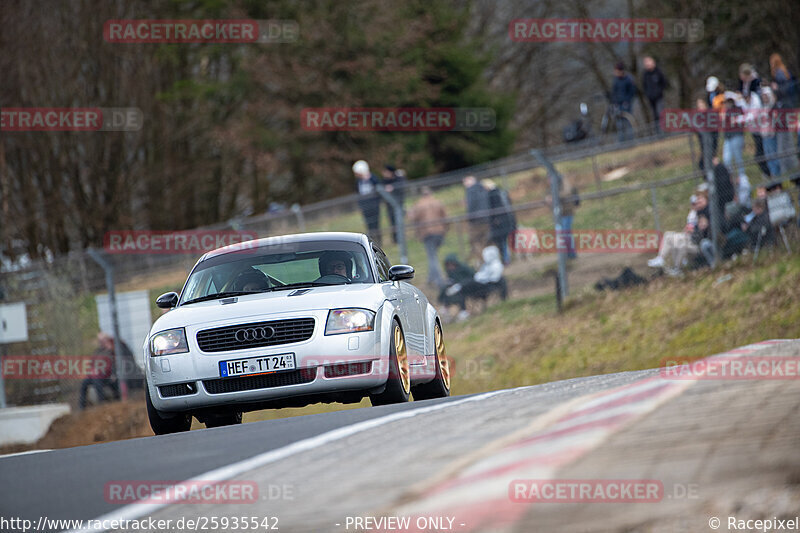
x=73, y=486
x=454, y=459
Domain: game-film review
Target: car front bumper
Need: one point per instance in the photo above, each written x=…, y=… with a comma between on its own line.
x=314, y=358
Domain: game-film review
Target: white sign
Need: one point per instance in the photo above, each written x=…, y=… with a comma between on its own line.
x=133, y=313
x=13, y=323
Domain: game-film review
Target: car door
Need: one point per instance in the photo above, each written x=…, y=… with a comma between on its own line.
x=408, y=309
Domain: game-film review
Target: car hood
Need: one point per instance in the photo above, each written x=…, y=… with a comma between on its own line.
x=369, y=296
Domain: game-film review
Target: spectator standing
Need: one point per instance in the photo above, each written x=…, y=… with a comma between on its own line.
x=103, y=376
x=427, y=215
x=502, y=222
x=749, y=81
x=723, y=185
x=750, y=87
x=623, y=92
x=712, y=90
x=702, y=106
x=786, y=93
x=654, y=84
x=368, y=200
x=477, y=199
x=712, y=82
x=768, y=132
x=733, y=116
x=394, y=181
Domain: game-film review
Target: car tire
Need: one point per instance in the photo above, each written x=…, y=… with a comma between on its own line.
x=166, y=423
x=227, y=419
x=398, y=383
x=439, y=387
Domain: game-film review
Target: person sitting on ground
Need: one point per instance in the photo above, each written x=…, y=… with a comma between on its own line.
x=457, y=274
x=490, y=271
x=678, y=248
x=757, y=225
x=734, y=240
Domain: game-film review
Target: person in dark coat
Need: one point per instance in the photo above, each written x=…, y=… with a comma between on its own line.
x=502, y=222
x=713, y=88
x=623, y=92
x=654, y=84
x=368, y=200
x=457, y=273
x=477, y=200
x=723, y=185
x=103, y=379
x=787, y=94
x=394, y=181
x=757, y=225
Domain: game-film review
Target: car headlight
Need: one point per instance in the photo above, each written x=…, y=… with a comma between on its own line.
x=349, y=321
x=169, y=342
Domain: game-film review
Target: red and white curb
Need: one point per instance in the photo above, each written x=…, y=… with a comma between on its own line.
x=478, y=496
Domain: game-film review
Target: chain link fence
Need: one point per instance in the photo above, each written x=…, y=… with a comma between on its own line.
x=643, y=184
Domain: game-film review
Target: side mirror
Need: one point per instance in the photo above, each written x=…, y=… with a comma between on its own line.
x=399, y=272
x=168, y=300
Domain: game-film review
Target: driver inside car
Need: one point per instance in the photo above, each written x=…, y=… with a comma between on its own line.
x=336, y=263
x=251, y=281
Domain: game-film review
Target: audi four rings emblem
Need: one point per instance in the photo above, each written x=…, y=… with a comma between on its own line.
x=254, y=334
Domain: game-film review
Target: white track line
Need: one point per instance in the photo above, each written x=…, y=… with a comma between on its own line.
x=23, y=453
x=141, y=508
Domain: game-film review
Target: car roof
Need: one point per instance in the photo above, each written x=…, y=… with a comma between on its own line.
x=289, y=239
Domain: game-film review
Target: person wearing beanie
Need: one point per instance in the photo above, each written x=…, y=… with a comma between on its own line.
x=368, y=200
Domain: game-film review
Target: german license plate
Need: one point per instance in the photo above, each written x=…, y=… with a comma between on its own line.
x=256, y=365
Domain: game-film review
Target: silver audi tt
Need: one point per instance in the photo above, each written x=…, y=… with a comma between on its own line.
x=289, y=321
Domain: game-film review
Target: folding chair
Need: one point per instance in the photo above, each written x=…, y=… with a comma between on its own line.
x=781, y=212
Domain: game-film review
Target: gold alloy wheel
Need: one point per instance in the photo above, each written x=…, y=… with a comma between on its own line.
x=441, y=356
x=402, y=358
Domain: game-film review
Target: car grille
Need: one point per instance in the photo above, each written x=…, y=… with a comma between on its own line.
x=285, y=331
x=178, y=389
x=295, y=377
x=348, y=369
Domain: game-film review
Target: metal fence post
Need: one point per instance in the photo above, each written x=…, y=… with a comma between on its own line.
x=555, y=182
x=655, y=209
x=108, y=268
x=712, y=197
x=301, y=221
x=598, y=181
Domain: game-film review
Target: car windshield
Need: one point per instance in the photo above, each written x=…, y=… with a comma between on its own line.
x=279, y=266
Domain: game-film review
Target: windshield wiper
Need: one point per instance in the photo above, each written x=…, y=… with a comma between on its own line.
x=218, y=295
